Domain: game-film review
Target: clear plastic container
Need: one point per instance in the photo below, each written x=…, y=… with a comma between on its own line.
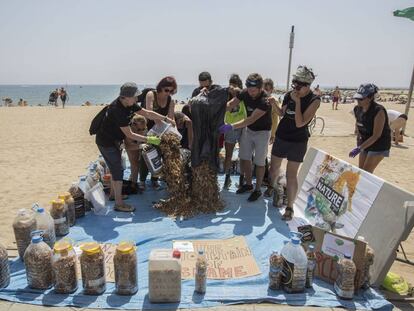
x=92, y=262
x=78, y=197
x=4, y=267
x=344, y=284
x=275, y=270
x=126, y=269
x=311, y=265
x=164, y=276
x=59, y=214
x=161, y=128
x=106, y=181
x=65, y=278
x=70, y=204
x=201, y=273
x=45, y=223
x=294, y=266
x=24, y=224
x=85, y=187
x=38, y=263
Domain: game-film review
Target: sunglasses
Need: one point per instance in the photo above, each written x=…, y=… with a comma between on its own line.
x=168, y=90
x=297, y=85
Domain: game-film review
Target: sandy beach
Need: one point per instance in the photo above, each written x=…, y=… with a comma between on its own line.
x=45, y=149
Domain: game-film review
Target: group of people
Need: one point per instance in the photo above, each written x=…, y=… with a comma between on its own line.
x=254, y=119
x=56, y=94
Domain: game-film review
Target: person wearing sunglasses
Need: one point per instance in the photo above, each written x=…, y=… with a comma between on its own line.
x=205, y=82
x=374, y=133
x=256, y=133
x=160, y=101
x=113, y=129
x=298, y=108
x=138, y=125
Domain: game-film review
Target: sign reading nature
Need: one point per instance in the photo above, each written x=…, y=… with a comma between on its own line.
x=336, y=196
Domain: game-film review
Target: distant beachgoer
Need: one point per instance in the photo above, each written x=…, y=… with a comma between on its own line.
x=53, y=97
x=63, y=96
x=298, y=109
x=206, y=84
x=232, y=137
x=336, y=96
x=374, y=133
x=138, y=125
x=317, y=91
x=256, y=133
x=185, y=127
x=397, y=121
x=160, y=101
x=21, y=102
x=114, y=128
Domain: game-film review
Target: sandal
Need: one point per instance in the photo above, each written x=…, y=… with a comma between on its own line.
x=288, y=215
x=112, y=198
x=124, y=208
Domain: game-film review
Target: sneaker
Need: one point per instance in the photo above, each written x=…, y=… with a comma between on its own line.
x=254, y=196
x=269, y=191
x=227, y=182
x=244, y=188
x=124, y=208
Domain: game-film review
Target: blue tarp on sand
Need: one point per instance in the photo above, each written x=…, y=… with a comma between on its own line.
x=258, y=222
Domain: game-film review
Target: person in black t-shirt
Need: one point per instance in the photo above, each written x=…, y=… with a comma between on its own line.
x=374, y=133
x=206, y=84
x=114, y=128
x=256, y=132
x=298, y=108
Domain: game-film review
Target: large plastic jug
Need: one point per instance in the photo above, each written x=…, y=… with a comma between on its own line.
x=294, y=265
x=38, y=263
x=45, y=223
x=4, y=267
x=164, y=275
x=24, y=224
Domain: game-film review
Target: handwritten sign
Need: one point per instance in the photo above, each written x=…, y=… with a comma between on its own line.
x=227, y=259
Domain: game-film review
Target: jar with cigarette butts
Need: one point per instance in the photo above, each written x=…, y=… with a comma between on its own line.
x=126, y=270
x=24, y=224
x=59, y=214
x=4, y=267
x=92, y=262
x=70, y=204
x=64, y=268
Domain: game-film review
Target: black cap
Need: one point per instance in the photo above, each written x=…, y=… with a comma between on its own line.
x=204, y=76
x=129, y=89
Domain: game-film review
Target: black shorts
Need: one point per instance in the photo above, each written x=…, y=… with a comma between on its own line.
x=293, y=151
x=113, y=158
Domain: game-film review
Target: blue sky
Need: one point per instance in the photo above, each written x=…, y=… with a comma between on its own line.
x=108, y=42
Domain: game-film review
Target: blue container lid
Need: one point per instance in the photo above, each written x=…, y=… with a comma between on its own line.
x=37, y=239
x=40, y=210
x=295, y=240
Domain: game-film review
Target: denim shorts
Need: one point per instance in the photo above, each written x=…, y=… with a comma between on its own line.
x=385, y=153
x=233, y=136
x=113, y=158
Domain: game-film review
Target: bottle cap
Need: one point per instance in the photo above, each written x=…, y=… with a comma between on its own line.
x=176, y=254
x=37, y=239
x=58, y=203
x=40, y=210
x=62, y=246
x=125, y=247
x=347, y=256
x=295, y=241
x=311, y=247
x=90, y=248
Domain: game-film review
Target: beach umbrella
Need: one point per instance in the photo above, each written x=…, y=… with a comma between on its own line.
x=407, y=13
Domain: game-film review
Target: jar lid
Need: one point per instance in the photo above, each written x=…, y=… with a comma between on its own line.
x=90, y=248
x=62, y=246
x=58, y=203
x=125, y=247
x=64, y=196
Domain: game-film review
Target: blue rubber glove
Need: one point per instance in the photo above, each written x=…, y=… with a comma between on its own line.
x=354, y=152
x=225, y=128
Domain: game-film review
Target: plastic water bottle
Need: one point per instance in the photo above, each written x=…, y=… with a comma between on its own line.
x=311, y=265
x=45, y=223
x=201, y=273
x=344, y=284
x=295, y=265
x=4, y=268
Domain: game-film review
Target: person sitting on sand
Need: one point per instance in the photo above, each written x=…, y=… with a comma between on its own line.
x=397, y=121
x=336, y=96
x=114, y=128
x=138, y=125
x=374, y=133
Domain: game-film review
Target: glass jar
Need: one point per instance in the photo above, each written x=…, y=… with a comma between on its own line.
x=65, y=278
x=125, y=267
x=70, y=204
x=92, y=262
x=59, y=214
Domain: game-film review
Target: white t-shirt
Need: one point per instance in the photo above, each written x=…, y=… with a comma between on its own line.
x=393, y=115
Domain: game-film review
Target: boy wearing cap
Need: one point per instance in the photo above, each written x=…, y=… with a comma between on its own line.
x=298, y=109
x=256, y=132
x=374, y=133
x=114, y=128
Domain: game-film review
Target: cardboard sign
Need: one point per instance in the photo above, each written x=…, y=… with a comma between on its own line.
x=329, y=248
x=109, y=251
x=227, y=259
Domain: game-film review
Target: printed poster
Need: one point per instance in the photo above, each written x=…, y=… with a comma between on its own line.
x=336, y=196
